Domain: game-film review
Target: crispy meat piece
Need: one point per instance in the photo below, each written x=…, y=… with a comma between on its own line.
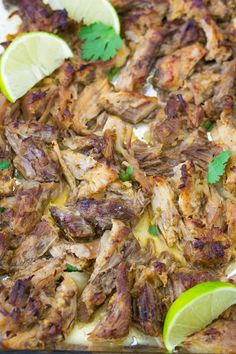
x=7, y=182
x=181, y=116
x=37, y=161
x=3, y=243
x=189, y=182
x=25, y=209
x=195, y=147
x=62, y=115
x=18, y=130
x=35, y=245
x=131, y=107
x=217, y=50
x=202, y=84
x=179, y=36
x=215, y=41
x=219, y=337
x=137, y=69
x=90, y=98
x=96, y=180
x=38, y=17
x=173, y=69
x=218, y=9
x=124, y=135
x=70, y=221
x=62, y=315
x=78, y=163
x=115, y=247
x=183, y=279
x=214, y=208
x=23, y=296
x=4, y=107
x=177, y=9
x=146, y=154
x=157, y=286
x=123, y=4
x=45, y=310
x=224, y=134
x=231, y=219
x=97, y=147
x=117, y=320
x=82, y=251
x=36, y=102
x=226, y=84
x=139, y=18
x=100, y=213
x=210, y=250
x=147, y=311
x=165, y=212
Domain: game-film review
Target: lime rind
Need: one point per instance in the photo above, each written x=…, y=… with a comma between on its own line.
x=206, y=297
x=90, y=11
x=28, y=59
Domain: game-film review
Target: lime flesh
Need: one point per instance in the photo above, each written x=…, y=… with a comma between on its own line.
x=28, y=59
x=195, y=309
x=90, y=11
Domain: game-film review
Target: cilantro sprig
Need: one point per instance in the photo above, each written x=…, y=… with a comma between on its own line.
x=70, y=268
x=2, y=209
x=4, y=165
x=208, y=125
x=100, y=41
x=113, y=72
x=217, y=167
x=126, y=176
x=154, y=230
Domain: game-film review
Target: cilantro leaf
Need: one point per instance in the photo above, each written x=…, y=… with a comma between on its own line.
x=126, y=175
x=113, y=73
x=216, y=168
x=100, y=42
x=2, y=209
x=70, y=268
x=208, y=125
x=153, y=230
x=4, y=165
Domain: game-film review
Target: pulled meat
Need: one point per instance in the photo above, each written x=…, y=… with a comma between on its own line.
x=106, y=205
x=118, y=318
x=70, y=221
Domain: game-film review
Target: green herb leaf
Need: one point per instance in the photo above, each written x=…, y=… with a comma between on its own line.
x=70, y=268
x=153, y=230
x=208, y=125
x=100, y=42
x=127, y=175
x=2, y=209
x=216, y=169
x=115, y=71
x=4, y=165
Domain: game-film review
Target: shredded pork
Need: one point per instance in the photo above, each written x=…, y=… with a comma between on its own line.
x=88, y=160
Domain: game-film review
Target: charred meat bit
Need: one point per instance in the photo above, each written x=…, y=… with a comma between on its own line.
x=113, y=249
x=137, y=69
x=172, y=70
x=131, y=107
x=100, y=213
x=211, y=250
x=35, y=245
x=73, y=225
x=27, y=206
x=116, y=323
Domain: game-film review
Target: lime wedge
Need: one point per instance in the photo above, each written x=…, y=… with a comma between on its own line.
x=195, y=309
x=29, y=59
x=90, y=11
